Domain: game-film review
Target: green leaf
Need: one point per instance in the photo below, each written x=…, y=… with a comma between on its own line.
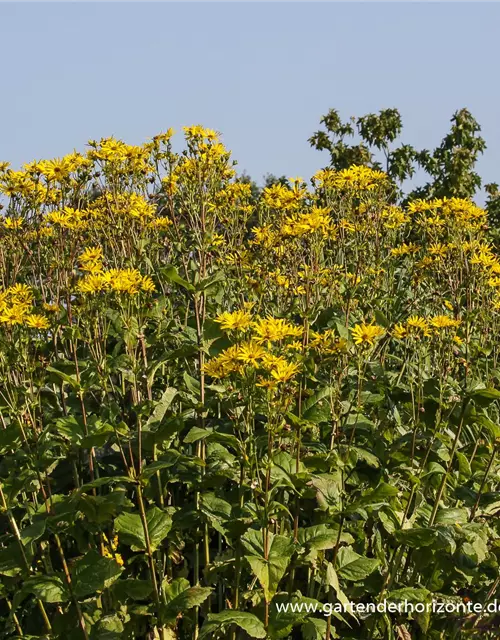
x=47, y=588
x=161, y=408
x=366, y=456
x=195, y=434
x=328, y=486
x=192, y=384
x=93, y=573
x=288, y=611
x=217, y=622
x=333, y=581
x=317, y=408
x=314, y=629
x=131, y=531
x=463, y=466
x=417, y=537
x=379, y=495
x=320, y=537
x=109, y=627
x=65, y=377
x=132, y=588
x=104, y=481
x=165, y=462
x=452, y=516
x=411, y=594
x=487, y=394
x=381, y=319
x=352, y=566
x=268, y=571
x=181, y=597
x=170, y=272
x=11, y=560
x=71, y=428
x=33, y=532
x=216, y=510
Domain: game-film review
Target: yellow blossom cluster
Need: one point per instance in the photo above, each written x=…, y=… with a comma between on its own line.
x=357, y=178
x=16, y=308
x=420, y=327
x=128, y=281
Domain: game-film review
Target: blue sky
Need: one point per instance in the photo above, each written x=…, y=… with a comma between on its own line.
x=261, y=73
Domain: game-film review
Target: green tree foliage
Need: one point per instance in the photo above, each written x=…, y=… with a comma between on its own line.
x=450, y=167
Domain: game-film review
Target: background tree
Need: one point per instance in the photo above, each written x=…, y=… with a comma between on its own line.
x=450, y=166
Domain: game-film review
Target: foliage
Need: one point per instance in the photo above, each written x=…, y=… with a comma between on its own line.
x=450, y=167
x=215, y=402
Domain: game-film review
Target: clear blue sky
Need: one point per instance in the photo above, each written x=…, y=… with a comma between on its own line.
x=261, y=73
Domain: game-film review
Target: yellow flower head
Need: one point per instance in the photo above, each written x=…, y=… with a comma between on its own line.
x=236, y=320
x=91, y=254
x=444, y=322
x=274, y=329
x=399, y=332
x=250, y=353
x=284, y=371
x=36, y=321
x=365, y=334
x=20, y=294
x=417, y=325
x=12, y=224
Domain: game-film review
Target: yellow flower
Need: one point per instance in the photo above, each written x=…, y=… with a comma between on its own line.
x=50, y=308
x=93, y=283
x=147, y=284
x=124, y=280
x=250, y=353
x=438, y=249
x=443, y=322
x=161, y=223
x=278, y=196
x=91, y=254
x=399, y=332
x=229, y=360
x=417, y=325
x=404, y=249
x=274, y=329
x=90, y=260
x=214, y=368
x=36, y=321
x=365, y=334
x=119, y=559
x=20, y=294
x=236, y=320
x=356, y=177
x=284, y=371
x=56, y=169
x=14, y=315
x=13, y=224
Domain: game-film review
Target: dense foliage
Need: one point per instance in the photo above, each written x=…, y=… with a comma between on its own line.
x=213, y=402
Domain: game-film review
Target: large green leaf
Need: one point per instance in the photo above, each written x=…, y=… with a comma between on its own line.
x=332, y=580
x=132, y=588
x=270, y=570
x=321, y=537
x=351, y=566
x=161, y=408
x=48, y=588
x=170, y=272
x=93, y=573
x=181, y=597
x=130, y=528
x=217, y=622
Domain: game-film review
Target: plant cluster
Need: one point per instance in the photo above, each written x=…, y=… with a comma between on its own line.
x=215, y=401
